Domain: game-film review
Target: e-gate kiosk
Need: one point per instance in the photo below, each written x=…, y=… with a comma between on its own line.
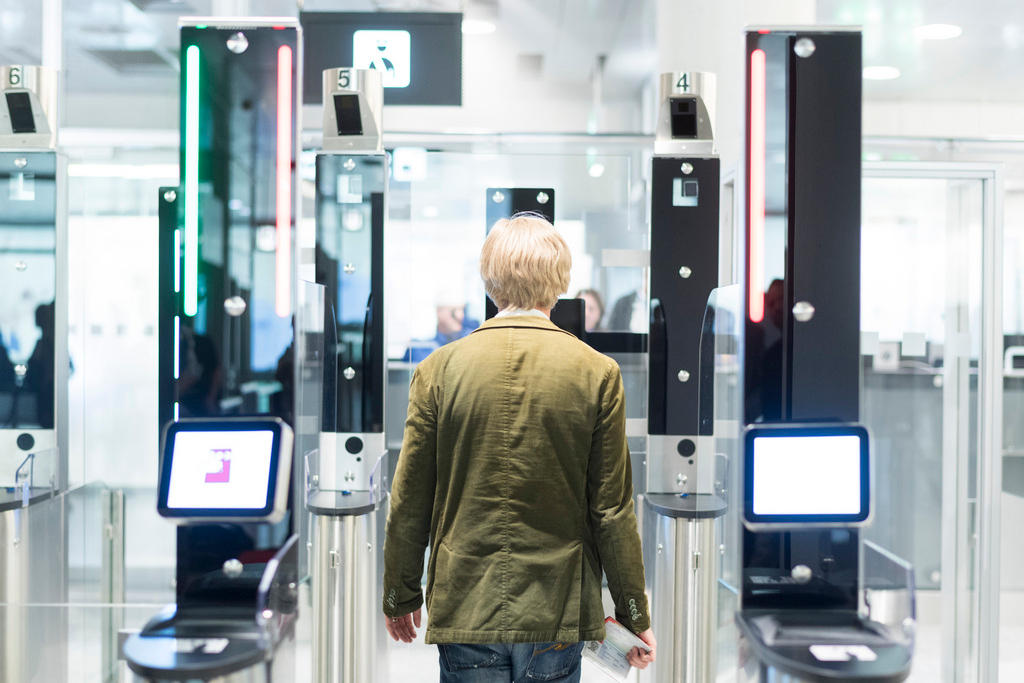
x=344, y=492
x=34, y=371
x=226, y=358
x=684, y=485
x=807, y=608
x=226, y=483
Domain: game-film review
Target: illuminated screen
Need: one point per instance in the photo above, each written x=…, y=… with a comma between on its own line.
x=807, y=475
x=225, y=470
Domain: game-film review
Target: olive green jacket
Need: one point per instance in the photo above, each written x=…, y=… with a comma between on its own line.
x=514, y=465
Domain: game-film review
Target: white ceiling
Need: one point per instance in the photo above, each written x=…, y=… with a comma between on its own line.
x=982, y=65
x=568, y=35
x=130, y=46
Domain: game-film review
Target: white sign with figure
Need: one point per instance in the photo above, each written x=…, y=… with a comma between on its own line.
x=386, y=51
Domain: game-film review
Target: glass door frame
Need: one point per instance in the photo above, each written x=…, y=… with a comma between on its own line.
x=971, y=526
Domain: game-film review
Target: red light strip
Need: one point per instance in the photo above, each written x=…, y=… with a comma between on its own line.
x=283, y=261
x=757, y=180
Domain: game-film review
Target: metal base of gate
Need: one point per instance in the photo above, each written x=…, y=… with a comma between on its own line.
x=681, y=560
x=348, y=640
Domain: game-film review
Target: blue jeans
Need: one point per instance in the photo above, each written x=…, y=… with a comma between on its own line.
x=510, y=663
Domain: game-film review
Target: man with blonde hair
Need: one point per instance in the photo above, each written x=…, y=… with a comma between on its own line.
x=514, y=466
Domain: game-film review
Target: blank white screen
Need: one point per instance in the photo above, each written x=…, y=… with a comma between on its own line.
x=220, y=470
x=807, y=475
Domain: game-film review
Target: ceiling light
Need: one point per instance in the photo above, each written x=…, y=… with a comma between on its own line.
x=596, y=169
x=478, y=27
x=880, y=73
x=937, y=32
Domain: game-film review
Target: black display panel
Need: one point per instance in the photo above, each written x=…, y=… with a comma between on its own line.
x=19, y=105
x=684, y=118
x=418, y=53
x=826, y=246
x=804, y=234
x=346, y=113
x=231, y=318
x=225, y=470
x=800, y=475
x=570, y=315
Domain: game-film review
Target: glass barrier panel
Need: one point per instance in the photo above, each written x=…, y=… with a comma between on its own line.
x=887, y=592
x=920, y=345
x=309, y=394
x=437, y=221
x=720, y=394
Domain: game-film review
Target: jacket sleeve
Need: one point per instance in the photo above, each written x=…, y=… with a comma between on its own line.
x=412, y=499
x=610, y=496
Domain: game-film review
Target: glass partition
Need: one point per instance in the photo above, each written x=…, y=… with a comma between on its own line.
x=888, y=593
x=28, y=328
x=721, y=390
x=310, y=366
x=926, y=249
x=437, y=221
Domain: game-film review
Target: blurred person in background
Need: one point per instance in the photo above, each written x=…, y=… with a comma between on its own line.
x=593, y=308
x=452, y=324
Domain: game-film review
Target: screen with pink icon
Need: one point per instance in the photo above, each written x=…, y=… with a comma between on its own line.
x=226, y=470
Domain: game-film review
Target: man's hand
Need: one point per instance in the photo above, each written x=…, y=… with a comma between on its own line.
x=401, y=628
x=637, y=657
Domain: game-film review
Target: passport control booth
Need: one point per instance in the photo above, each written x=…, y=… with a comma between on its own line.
x=225, y=484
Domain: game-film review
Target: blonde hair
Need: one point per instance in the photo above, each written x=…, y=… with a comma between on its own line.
x=525, y=263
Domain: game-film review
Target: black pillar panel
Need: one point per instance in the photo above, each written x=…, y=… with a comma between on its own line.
x=505, y=202
x=825, y=228
x=684, y=234
x=169, y=253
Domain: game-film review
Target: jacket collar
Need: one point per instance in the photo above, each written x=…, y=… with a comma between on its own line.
x=522, y=321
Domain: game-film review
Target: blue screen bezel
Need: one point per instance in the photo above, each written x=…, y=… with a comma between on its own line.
x=809, y=431
x=234, y=425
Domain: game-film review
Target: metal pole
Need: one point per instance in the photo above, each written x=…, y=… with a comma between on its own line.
x=112, y=590
x=990, y=451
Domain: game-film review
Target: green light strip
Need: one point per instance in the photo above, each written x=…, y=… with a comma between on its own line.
x=191, y=305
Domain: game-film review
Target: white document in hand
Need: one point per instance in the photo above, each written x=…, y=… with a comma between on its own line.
x=610, y=654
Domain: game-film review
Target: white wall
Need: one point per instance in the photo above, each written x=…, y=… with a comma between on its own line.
x=708, y=36
x=947, y=119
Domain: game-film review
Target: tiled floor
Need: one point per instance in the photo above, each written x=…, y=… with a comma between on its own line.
x=418, y=662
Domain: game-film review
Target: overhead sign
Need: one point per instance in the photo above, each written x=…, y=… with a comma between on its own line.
x=419, y=54
x=386, y=51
